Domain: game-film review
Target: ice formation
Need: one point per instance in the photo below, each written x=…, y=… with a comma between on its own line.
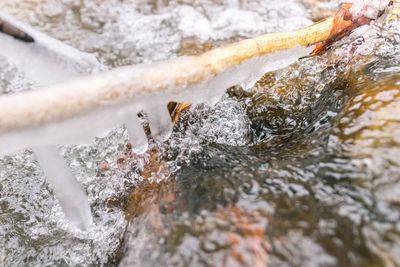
x=33, y=227
x=67, y=189
x=45, y=62
x=95, y=114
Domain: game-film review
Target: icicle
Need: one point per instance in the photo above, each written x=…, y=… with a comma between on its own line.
x=67, y=189
x=160, y=122
x=94, y=104
x=136, y=135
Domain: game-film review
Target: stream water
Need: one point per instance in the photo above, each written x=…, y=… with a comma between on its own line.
x=301, y=169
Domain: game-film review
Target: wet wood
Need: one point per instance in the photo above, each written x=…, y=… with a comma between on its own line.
x=13, y=31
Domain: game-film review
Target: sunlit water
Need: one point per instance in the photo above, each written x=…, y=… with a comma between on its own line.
x=300, y=170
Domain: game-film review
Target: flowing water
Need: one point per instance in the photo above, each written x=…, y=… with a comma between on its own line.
x=301, y=169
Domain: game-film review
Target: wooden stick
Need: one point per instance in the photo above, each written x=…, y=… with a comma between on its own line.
x=64, y=101
x=126, y=84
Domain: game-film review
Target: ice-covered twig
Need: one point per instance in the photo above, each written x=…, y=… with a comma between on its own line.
x=126, y=84
x=367, y=8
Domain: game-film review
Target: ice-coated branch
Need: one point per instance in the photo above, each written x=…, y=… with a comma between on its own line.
x=127, y=85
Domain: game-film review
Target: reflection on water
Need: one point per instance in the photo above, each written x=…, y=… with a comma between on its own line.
x=301, y=170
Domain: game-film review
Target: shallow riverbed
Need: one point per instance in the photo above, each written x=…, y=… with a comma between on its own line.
x=302, y=169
